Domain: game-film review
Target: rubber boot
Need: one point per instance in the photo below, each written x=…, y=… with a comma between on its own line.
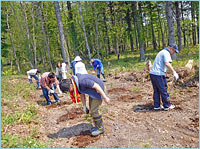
x=99, y=128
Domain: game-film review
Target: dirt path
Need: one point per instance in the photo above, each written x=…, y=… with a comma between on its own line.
x=129, y=120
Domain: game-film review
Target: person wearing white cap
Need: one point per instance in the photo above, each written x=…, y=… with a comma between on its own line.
x=158, y=79
x=79, y=66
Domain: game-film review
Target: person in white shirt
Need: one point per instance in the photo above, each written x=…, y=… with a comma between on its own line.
x=79, y=66
x=158, y=79
x=35, y=73
x=61, y=71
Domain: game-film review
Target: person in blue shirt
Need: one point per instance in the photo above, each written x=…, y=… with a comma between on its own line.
x=92, y=86
x=158, y=79
x=72, y=66
x=97, y=65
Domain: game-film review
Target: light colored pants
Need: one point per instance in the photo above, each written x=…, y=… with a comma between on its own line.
x=94, y=105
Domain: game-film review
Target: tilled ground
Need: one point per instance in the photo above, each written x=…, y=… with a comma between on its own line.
x=130, y=121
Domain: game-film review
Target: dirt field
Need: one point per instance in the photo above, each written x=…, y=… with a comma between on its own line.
x=130, y=121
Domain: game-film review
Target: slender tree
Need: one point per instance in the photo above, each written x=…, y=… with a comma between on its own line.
x=44, y=35
x=13, y=46
x=65, y=53
x=83, y=26
x=178, y=25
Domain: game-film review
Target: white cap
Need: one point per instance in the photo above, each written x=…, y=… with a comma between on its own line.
x=77, y=58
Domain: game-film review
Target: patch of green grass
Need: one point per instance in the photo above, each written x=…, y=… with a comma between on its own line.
x=13, y=88
x=144, y=145
x=136, y=89
x=21, y=117
x=14, y=141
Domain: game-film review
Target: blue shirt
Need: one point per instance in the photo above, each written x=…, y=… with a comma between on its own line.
x=72, y=66
x=97, y=64
x=86, y=82
x=159, y=68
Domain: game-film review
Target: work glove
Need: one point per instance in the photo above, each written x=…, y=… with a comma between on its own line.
x=51, y=91
x=85, y=109
x=29, y=77
x=175, y=76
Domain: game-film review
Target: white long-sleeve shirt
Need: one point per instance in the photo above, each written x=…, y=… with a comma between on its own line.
x=80, y=68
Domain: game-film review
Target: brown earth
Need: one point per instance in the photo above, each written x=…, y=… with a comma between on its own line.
x=130, y=121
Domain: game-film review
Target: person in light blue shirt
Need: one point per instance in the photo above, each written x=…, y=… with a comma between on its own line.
x=158, y=79
x=97, y=65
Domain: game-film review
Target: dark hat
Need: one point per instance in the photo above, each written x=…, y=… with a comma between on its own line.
x=175, y=47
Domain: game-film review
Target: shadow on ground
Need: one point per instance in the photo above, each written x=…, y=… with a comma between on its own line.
x=77, y=130
x=144, y=108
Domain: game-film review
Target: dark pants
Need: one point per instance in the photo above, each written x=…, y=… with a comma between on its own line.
x=100, y=70
x=45, y=93
x=36, y=78
x=159, y=84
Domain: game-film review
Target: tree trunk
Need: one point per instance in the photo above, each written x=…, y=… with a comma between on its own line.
x=72, y=29
x=170, y=23
x=25, y=40
x=61, y=33
x=44, y=35
x=128, y=19
x=96, y=29
x=178, y=26
x=106, y=30
x=34, y=40
x=197, y=15
x=138, y=22
x=161, y=29
x=152, y=28
x=83, y=26
x=13, y=47
x=193, y=24
x=183, y=27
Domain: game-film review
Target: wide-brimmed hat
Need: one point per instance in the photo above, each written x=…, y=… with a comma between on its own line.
x=77, y=58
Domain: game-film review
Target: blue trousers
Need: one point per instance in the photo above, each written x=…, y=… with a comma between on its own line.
x=100, y=70
x=36, y=78
x=159, y=84
x=45, y=93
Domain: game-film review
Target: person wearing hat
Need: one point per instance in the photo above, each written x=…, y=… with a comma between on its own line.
x=82, y=84
x=158, y=79
x=97, y=65
x=35, y=73
x=79, y=66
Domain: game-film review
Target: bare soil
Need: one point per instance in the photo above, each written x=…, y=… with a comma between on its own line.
x=130, y=121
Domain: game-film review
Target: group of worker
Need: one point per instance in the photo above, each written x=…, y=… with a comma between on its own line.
x=82, y=83
x=78, y=85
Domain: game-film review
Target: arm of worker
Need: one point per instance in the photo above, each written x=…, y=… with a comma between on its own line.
x=85, y=109
x=58, y=87
x=29, y=77
x=100, y=91
x=169, y=66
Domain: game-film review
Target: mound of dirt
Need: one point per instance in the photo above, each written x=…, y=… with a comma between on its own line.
x=74, y=113
x=84, y=139
x=58, y=104
x=117, y=90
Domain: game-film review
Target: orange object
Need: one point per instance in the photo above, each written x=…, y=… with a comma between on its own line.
x=75, y=96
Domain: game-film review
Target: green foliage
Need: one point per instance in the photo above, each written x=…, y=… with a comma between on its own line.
x=20, y=117
x=15, y=89
x=14, y=141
